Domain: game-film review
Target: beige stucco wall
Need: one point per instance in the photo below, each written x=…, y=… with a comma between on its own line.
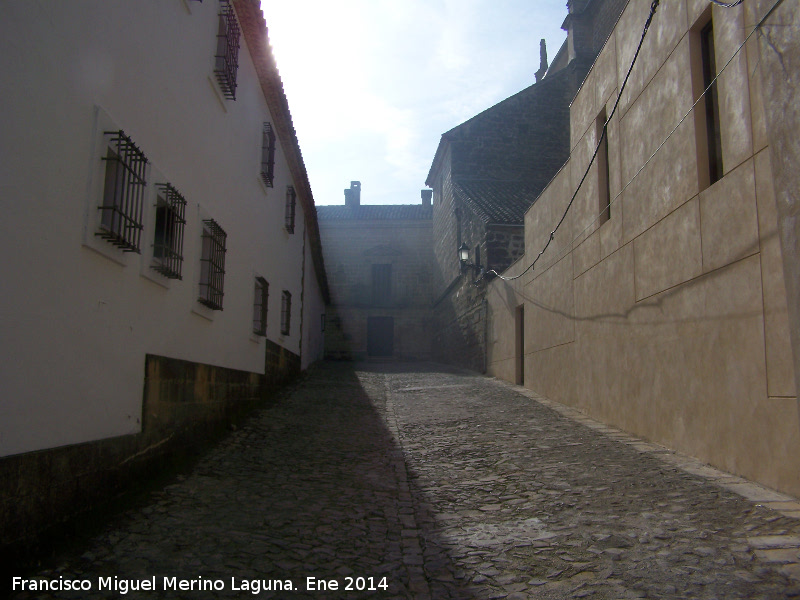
x=82, y=315
x=670, y=319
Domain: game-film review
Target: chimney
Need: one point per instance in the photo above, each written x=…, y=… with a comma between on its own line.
x=542, y=60
x=426, y=198
x=352, y=196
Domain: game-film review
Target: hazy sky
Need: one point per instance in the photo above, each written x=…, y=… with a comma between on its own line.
x=373, y=84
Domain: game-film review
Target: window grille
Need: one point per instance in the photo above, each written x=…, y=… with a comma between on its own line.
x=168, y=235
x=286, y=312
x=268, y=155
x=381, y=284
x=227, y=56
x=123, y=193
x=291, y=201
x=212, y=265
x=260, y=306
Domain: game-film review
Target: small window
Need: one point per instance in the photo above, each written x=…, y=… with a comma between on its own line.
x=711, y=103
x=603, y=184
x=478, y=255
x=226, y=60
x=286, y=312
x=268, y=155
x=123, y=193
x=291, y=201
x=381, y=284
x=168, y=234
x=212, y=265
x=260, y=306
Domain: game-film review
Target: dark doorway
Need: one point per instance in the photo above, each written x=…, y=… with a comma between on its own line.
x=519, y=350
x=380, y=336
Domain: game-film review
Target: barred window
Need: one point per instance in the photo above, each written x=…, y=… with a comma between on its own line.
x=123, y=193
x=268, y=154
x=291, y=201
x=168, y=234
x=227, y=56
x=286, y=312
x=260, y=306
x=212, y=265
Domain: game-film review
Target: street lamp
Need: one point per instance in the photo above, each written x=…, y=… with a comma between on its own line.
x=463, y=258
x=463, y=253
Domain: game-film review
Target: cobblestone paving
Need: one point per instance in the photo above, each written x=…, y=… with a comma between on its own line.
x=424, y=482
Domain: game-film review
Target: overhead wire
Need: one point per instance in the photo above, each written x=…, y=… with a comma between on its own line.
x=650, y=158
x=726, y=4
x=674, y=129
x=653, y=7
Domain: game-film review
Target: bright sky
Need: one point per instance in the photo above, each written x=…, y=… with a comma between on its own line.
x=373, y=84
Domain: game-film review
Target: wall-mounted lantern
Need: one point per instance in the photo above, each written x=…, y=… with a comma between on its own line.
x=463, y=258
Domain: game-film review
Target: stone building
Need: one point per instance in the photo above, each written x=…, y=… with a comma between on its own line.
x=160, y=237
x=486, y=173
x=660, y=306
x=379, y=261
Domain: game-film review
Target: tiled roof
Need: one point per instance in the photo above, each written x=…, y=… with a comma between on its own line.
x=256, y=36
x=497, y=201
x=375, y=212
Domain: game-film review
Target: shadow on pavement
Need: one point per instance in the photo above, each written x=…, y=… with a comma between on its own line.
x=309, y=494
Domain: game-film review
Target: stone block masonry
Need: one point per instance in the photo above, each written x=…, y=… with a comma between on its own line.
x=186, y=406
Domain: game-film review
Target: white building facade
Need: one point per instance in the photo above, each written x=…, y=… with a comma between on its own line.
x=159, y=232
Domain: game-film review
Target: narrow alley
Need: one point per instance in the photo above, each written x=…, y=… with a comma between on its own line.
x=419, y=481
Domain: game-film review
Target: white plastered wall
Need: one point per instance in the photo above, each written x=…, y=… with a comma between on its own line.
x=77, y=322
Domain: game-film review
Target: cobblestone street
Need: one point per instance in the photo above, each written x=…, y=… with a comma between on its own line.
x=422, y=482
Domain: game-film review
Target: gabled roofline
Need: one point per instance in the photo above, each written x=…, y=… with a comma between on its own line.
x=450, y=134
x=437, y=159
x=256, y=36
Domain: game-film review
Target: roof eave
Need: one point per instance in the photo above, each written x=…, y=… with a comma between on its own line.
x=256, y=36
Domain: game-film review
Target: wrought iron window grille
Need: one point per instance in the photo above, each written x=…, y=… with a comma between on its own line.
x=212, y=265
x=123, y=193
x=168, y=234
x=291, y=202
x=268, y=155
x=286, y=312
x=260, y=306
x=227, y=57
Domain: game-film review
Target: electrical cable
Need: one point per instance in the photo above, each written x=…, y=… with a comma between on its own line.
x=726, y=4
x=653, y=8
x=674, y=129
x=650, y=158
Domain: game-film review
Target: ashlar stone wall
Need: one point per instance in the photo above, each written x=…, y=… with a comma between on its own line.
x=669, y=320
